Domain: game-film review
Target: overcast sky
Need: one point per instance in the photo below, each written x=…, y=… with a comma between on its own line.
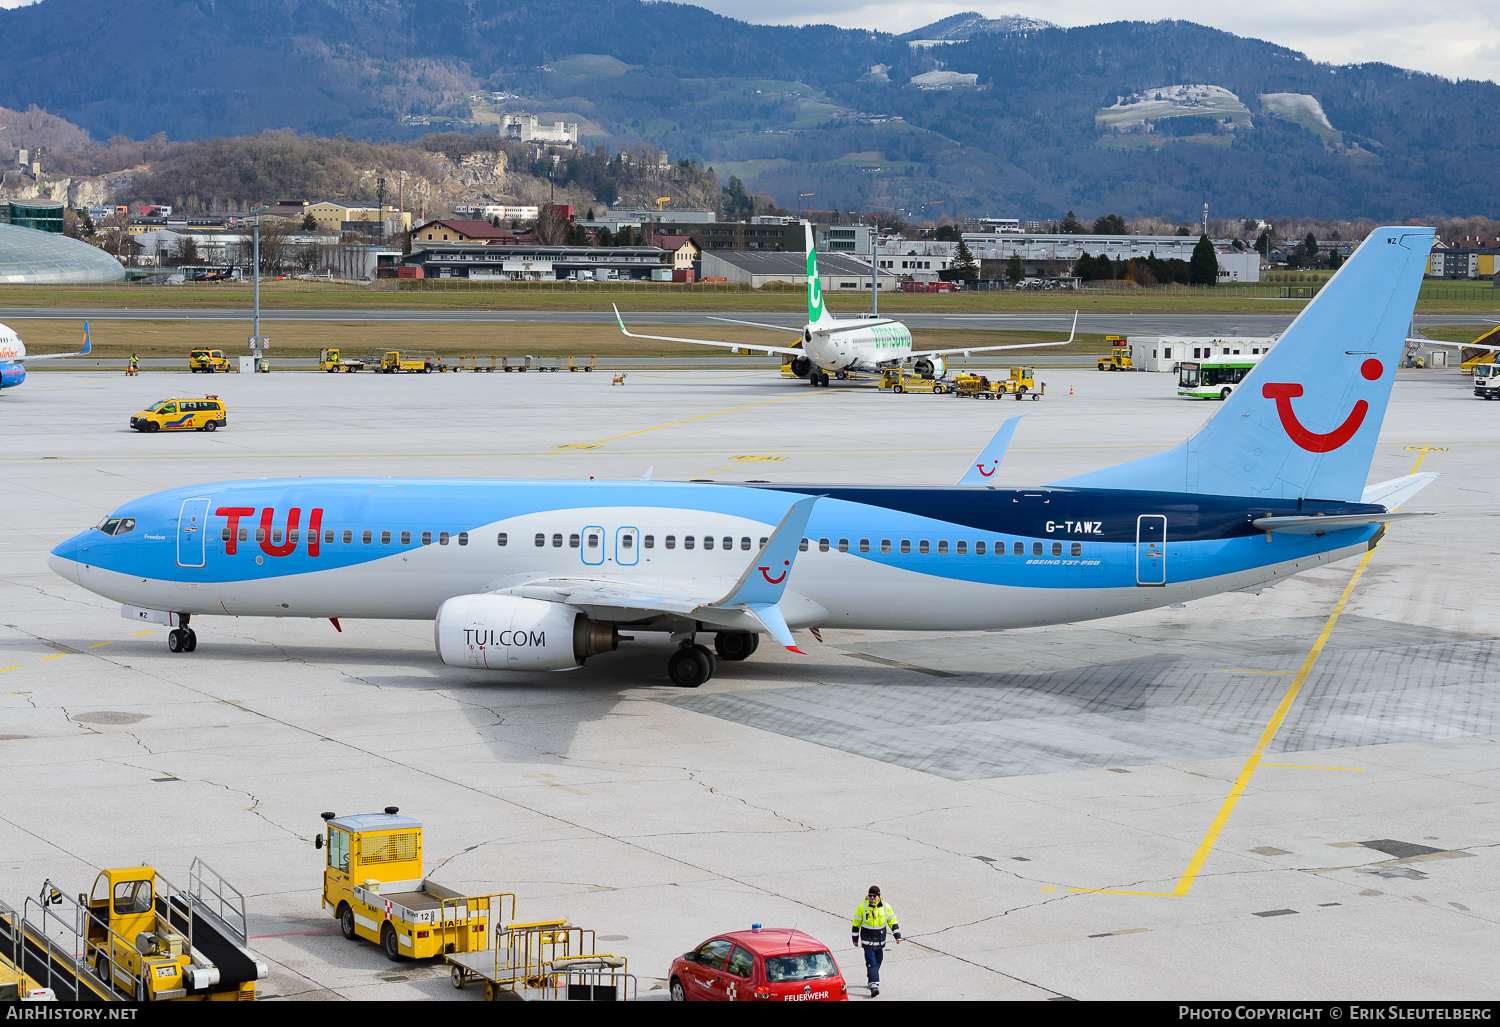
x=1445, y=37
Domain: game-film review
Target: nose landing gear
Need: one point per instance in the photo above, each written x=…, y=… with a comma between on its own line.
x=182, y=639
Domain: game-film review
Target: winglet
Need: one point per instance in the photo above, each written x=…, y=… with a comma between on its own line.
x=761, y=584
x=769, y=614
x=647, y=475
x=990, y=456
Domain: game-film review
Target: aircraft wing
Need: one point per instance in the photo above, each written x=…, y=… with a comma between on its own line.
x=1334, y=522
x=785, y=350
x=87, y=346
x=966, y=350
x=750, y=604
x=757, y=324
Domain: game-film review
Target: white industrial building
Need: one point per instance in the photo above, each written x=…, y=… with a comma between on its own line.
x=488, y=211
x=1165, y=352
x=1234, y=265
x=757, y=268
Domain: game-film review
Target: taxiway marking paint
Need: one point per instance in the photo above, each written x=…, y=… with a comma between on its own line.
x=1200, y=856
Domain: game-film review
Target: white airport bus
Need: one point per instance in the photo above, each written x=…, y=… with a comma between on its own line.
x=1215, y=378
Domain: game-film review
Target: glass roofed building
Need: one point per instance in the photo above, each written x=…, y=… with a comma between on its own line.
x=32, y=257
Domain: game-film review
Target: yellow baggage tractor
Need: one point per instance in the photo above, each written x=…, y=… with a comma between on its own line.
x=902, y=380
x=373, y=883
x=1022, y=383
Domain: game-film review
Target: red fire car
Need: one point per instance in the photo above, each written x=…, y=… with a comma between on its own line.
x=776, y=964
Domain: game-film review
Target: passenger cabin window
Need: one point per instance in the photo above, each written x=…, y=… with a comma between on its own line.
x=244, y=533
x=942, y=547
x=922, y=546
x=385, y=538
x=687, y=542
x=1036, y=548
x=708, y=541
x=961, y=548
x=426, y=538
x=802, y=548
x=729, y=542
x=541, y=540
x=573, y=541
x=671, y=541
x=260, y=534
x=843, y=545
x=593, y=540
x=1019, y=550
x=649, y=541
x=557, y=540
x=864, y=545
x=1077, y=549
x=502, y=539
x=443, y=537
x=885, y=545
x=275, y=536
x=979, y=549
x=1057, y=549
x=348, y=537
x=328, y=536
x=906, y=545
x=823, y=545
x=745, y=544
x=406, y=538
x=627, y=541
x=763, y=541
x=367, y=537
x=463, y=538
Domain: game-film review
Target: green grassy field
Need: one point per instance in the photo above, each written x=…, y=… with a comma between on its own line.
x=462, y=295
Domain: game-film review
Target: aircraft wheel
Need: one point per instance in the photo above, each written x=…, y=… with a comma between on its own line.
x=192, y=641
x=175, y=640
x=688, y=667
x=735, y=645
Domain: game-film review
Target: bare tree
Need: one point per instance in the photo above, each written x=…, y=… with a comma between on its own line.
x=551, y=226
x=187, y=250
x=275, y=246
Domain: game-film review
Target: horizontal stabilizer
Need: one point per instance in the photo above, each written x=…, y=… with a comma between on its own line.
x=1323, y=525
x=1391, y=494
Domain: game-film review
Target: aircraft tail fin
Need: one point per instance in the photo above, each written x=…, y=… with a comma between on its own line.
x=816, y=311
x=988, y=461
x=88, y=343
x=1303, y=422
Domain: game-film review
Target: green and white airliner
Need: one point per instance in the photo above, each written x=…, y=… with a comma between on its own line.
x=835, y=347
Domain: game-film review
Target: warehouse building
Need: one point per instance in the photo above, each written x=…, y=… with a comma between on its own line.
x=839, y=273
x=479, y=262
x=1053, y=250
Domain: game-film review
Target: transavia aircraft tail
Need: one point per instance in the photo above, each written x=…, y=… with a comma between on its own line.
x=543, y=575
x=834, y=346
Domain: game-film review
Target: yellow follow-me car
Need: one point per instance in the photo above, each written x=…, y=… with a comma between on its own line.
x=204, y=414
x=208, y=361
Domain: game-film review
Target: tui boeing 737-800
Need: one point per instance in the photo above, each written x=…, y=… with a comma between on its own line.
x=541, y=575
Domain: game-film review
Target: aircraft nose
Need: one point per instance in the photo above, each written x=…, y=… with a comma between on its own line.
x=64, y=559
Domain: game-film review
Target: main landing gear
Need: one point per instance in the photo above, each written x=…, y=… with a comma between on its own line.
x=817, y=378
x=183, y=639
x=693, y=664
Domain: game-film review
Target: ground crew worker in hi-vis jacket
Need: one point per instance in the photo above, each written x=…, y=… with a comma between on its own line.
x=870, y=922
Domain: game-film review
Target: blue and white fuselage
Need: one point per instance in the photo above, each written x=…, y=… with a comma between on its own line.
x=544, y=574
x=914, y=558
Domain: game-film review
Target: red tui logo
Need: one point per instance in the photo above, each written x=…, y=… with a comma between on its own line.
x=765, y=572
x=1284, y=392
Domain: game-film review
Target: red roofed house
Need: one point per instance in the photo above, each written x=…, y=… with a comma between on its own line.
x=683, y=249
x=461, y=231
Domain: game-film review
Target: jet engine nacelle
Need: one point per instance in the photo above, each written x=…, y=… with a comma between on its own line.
x=935, y=366
x=11, y=375
x=801, y=367
x=493, y=632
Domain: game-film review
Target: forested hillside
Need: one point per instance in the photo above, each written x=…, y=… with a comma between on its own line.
x=1023, y=120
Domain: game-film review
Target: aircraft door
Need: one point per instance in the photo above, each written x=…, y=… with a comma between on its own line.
x=592, y=549
x=192, y=529
x=1151, y=549
x=627, y=543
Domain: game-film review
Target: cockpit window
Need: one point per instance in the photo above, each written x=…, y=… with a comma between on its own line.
x=117, y=525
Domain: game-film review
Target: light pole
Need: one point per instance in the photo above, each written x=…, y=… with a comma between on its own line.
x=257, y=341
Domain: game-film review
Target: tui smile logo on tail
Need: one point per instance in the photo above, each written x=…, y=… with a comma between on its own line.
x=765, y=572
x=994, y=466
x=1284, y=392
